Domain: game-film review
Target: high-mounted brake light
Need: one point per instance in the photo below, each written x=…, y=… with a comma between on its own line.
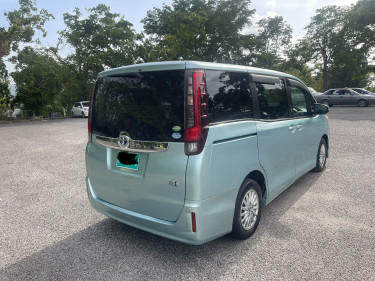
x=196, y=112
x=89, y=121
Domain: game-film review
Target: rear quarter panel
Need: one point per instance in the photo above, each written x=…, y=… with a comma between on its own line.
x=230, y=154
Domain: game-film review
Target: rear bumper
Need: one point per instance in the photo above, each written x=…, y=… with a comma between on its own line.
x=214, y=218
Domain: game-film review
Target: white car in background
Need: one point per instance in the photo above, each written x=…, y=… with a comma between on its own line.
x=81, y=109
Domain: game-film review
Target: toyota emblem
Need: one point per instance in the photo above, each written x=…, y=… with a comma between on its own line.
x=123, y=140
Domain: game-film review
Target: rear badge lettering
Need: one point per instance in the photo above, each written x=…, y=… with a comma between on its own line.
x=174, y=183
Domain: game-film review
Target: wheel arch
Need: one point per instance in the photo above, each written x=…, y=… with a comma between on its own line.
x=362, y=100
x=260, y=179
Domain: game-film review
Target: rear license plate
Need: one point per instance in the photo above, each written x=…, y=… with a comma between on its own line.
x=127, y=161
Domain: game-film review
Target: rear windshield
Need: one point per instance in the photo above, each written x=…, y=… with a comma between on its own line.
x=149, y=106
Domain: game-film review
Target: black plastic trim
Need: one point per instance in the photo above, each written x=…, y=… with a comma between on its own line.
x=235, y=138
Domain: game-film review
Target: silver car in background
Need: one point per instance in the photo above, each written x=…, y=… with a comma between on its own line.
x=81, y=109
x=362, y=91
x=344, y=96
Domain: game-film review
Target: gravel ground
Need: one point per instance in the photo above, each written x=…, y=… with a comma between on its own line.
x=321, y=228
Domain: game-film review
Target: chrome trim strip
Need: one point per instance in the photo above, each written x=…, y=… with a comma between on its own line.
x=134, y=145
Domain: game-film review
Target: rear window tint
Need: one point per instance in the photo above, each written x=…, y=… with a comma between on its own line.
x=229, y=96
x=149, y=106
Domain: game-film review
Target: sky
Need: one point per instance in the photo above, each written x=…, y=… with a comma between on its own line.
x=297, y=13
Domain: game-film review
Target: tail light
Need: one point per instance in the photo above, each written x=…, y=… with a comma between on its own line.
x=196, y=112
x=89, y=121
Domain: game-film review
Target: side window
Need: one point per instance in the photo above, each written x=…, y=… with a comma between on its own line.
x=229, y=96
x=272, y=99
x=299, y=101
x=76, y=104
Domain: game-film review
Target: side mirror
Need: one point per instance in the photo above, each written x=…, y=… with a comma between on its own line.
x=320, y=108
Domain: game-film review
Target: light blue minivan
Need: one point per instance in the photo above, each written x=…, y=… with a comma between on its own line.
x=192, y=150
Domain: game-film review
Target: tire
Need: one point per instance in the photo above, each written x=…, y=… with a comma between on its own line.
x=362, y=103
x=82, y=114
x=326, y=102
x=73, y=116
x=247, y=210
x=321, y=157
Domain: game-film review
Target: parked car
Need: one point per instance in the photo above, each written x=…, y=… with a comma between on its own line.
x=192, y=151
x=344, y=96
x=81, y=109
x=363, y=91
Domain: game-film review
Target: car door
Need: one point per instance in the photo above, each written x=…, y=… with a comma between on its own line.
x=350, y=97
x=307, y=126
x=336, y=97
x=76, y=109
x=276, y=132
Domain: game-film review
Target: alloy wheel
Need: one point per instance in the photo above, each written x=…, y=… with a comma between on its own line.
x=249, y=209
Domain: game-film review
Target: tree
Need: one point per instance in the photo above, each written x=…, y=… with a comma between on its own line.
x=321, y=36
x=199, y=30
x=102, y=40
x=22, y=25
x=355, y=42
x=5, y=95
x=274, y=37
x=349, y=68
x=38, y=81
x=359, y=25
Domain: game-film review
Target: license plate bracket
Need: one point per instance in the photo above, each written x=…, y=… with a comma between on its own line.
x=127, y=160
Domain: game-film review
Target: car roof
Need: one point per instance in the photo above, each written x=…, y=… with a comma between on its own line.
x=175, y=65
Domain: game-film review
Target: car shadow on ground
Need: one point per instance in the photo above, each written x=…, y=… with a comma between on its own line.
x=110, y=250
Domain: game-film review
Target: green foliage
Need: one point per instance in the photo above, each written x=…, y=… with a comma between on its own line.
x=349, y=68
x=354, y=43
x=359, y=27
x=198, y=30
x=274, y=37
x=5, y=95
x=100, y=41
x=335, y=52
x=38, y=81
x=342, y=38
x=22, y=25
x=321, y=36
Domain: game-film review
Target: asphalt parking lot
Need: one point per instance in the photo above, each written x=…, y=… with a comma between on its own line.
x=320, y=228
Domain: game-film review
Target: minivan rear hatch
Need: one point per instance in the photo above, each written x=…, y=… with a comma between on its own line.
x=136, y=159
